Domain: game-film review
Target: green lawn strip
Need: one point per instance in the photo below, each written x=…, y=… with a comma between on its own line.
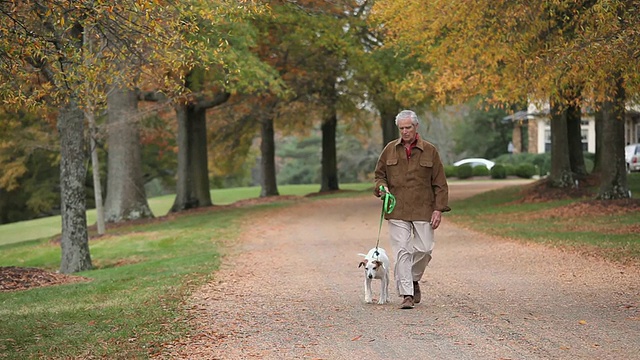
x=500, y=213
x=50, y=226
x=133, y=300
x=29, y=230
x=35, y=253
x=104, y=319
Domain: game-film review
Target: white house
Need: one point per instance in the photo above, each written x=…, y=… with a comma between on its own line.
x=532, y=131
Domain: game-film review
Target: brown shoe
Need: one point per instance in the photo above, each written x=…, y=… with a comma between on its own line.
x=416, y=292
x=407, y=303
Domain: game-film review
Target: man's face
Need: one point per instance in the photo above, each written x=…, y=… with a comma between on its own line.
x=408, y=131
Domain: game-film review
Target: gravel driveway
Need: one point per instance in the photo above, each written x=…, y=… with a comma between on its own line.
x=291, y=289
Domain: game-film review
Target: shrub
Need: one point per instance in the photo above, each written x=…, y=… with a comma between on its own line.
x=510, y=169
x=588, y=164
x=543, y=163
x=498, y=171
x=464, y=171
x=526, y=170
x=515, y=159
x=480, y=170
x=450, y=170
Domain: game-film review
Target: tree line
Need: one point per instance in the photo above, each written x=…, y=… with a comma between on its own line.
x=571, y=55
x=224, y=72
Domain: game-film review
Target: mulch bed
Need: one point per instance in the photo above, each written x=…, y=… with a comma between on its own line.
x=541, y=191
x=14, y=278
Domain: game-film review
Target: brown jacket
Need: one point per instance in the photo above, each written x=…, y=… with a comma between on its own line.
x=418, y=184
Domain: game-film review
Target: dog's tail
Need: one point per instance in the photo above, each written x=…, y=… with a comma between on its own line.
x=363, y=255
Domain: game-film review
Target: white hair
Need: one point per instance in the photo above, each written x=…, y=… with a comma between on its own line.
x=407, y=114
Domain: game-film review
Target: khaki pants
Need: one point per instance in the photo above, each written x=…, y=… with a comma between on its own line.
x=412, y=243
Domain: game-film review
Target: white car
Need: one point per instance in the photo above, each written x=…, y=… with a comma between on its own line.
x=475, y=162
x=632, y=157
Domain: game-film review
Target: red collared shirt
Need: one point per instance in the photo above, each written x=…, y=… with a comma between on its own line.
x=413, y=144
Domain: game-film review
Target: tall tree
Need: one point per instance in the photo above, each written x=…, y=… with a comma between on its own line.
x=192, y=187
x=42, y=63
x=75, y=239
x=329, y=179
x=560, y=172
x=51, y=45
x=381, y=68
x=225, y=66
x=388, y=108
x=314, y=52
x=289, y=43
x=268, y=182
x=613, y=183
x=482, y=133
x=126, y=198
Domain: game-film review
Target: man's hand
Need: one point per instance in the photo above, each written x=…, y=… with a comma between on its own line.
x=436, y=219
x=380, y=193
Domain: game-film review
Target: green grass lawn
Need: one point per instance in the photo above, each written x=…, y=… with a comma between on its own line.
x=609, y=232
x=133, y=300
x=50, y=226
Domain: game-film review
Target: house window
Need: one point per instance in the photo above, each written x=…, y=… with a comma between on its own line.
x=547, y=140
x=584, y=134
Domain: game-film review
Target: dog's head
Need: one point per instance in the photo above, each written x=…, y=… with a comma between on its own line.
x=371, y=268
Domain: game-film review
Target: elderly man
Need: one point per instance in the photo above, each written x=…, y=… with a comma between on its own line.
x=411, y=170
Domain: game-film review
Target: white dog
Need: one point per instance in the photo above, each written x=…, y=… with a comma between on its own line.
x=376, y=266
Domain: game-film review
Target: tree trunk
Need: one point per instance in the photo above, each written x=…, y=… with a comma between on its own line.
x=95, y=167
x=185, y=198
x=75, y=238
x=198, y=158
x=613, y=178
x=388, y=111
x=267, y=159
x=560, y=175
x=126, y=196
x=574, y=134
x=192, y=187
x=329, y=152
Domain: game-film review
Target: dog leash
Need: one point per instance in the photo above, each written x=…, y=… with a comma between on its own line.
x=388, y=204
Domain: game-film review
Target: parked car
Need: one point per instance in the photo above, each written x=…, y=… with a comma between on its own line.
x=632, y=157
x=475, y=162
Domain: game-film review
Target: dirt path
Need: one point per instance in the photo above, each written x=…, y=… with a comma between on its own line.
x=293, y=290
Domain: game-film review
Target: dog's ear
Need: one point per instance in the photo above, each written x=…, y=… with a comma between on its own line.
x=363, y=263
x=378, y=263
